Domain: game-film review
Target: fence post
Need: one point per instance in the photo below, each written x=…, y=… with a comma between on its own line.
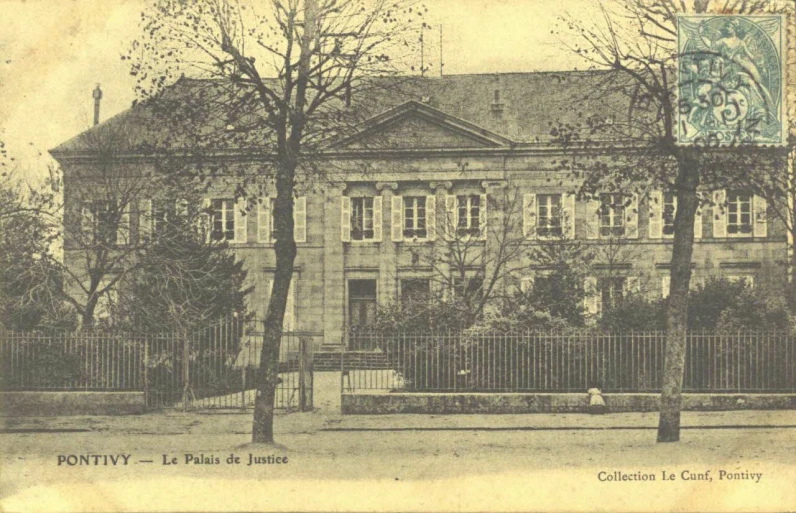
x=303, y=365
x=186, y=369
x=145, y=363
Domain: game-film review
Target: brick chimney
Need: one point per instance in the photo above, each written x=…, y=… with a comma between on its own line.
x=97, y=94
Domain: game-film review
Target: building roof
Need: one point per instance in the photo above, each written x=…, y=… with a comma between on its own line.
x=519, y=107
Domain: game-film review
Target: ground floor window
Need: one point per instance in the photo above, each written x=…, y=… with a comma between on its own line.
x=415, y=291
x=612, y=291
x=361, y=303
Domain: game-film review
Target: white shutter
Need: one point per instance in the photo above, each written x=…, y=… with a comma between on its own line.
x=719, y=214
x=289, y=322
x=300, y=219
x=86, y=225
x=760, y=222
x=182, y=209
x=123, y=228
x=264, y=220
x=483, y=216
x=631, y=214
x=431, y=217
x=591, y=297
x=345, y=219
x=241, y=233
x=396, y=214
x=205, y=219
x=377, y=218
x=632, y=286
x=529, y=215
x=526, y=283
x=593, y=219
x=568, y=217
x=451, y=216
x=656, y=215
x=666, y=282
x=145, y=220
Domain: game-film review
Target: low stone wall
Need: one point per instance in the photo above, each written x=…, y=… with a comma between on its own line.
x=451, y=403
x=50, y=404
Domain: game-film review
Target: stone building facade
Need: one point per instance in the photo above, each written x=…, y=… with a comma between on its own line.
x=456, y=158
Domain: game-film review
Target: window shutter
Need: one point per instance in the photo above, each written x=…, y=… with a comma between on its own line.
x=397, y=219
x=123, y=228
x=698, y=217
x=86, y=225
x=241, y=232
x=345, y=218
x=529, y=215
x=431, y=217
x=568, y=211
x=666, y=282
x=631, y=231
x=377, y=218
x=632, y=286
x=591, y=297
x=760, y=225
x=483, y=216
x=593, y=219
x=289, y=322
x=181, y=209
x=145, y=220
x=656, y=215
x=205, y=219
x=264, y=220
x=300, y=219
x=451, y=216
x=526, y=283
x=719, y=214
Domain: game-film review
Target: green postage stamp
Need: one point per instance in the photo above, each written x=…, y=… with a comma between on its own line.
x=731, y=80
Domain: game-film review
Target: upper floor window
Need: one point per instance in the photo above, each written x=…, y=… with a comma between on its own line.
x=612, y=215
x=414, y=217
x=103, y=223
x=362, y=219
x=164, y=214
x=739, y=213
x=548, y=215
x=669, y=207
x=468, y=215
x=223, y=219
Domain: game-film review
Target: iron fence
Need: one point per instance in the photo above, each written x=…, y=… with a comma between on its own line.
x=567, y=362
x=214, y=367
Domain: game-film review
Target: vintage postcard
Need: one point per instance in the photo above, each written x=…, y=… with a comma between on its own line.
x=397, y=255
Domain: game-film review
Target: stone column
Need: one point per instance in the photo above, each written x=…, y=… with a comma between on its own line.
x=388, y=250
x=333, y=265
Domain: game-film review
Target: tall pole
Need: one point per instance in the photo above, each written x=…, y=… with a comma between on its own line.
x=422, y=53
x=441, y=71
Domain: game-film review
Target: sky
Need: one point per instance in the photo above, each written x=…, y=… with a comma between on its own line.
x=53, y=53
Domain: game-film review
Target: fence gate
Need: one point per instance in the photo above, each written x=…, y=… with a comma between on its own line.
x=218, y=369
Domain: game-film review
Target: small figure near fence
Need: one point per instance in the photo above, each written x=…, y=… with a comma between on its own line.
x=596, y=402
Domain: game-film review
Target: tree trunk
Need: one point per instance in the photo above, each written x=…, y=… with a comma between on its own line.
x=677, y=309
x=285, y=251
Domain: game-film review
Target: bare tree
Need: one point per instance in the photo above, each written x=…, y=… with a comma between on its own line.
x=285, y=75
x=635, y=44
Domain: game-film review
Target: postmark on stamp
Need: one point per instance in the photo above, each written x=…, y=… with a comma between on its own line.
x=731, y=79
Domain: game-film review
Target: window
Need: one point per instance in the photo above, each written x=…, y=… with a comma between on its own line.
x=469, y=289
x=468, y=215
x=548, y=215
x=669, y=208
x=415, y=217
x=749, y=280
x=362, y=219
x=163, y=216
x=415, y=291
x=739, y=213
x=612, y=215
x=223, y=219
x=361, y=302
x=100, y=223
x=611, y=291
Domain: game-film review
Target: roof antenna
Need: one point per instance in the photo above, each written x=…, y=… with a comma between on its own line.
x=97, y=95
x=422, y=52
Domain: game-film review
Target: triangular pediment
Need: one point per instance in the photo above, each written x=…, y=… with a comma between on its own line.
x=414, y=125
